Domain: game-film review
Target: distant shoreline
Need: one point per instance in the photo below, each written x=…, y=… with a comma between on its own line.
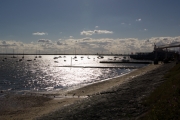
x=66, y=54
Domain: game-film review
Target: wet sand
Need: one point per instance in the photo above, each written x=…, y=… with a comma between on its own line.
x=112, y=99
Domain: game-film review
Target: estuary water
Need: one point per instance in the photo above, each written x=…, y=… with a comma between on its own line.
x=56, y=72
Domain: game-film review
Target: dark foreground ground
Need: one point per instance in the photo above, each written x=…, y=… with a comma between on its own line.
x=124, y=102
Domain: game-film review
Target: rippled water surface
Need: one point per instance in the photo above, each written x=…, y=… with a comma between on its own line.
x=52, y=72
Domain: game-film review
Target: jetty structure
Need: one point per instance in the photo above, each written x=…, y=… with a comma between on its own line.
x=122, y=67
x=130, y=61
x=160, y=53
x=166, y=56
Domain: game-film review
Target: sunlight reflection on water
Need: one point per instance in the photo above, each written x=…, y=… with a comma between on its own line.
x=46, y=73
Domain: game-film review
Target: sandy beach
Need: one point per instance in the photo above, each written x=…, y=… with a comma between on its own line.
x=117, y=98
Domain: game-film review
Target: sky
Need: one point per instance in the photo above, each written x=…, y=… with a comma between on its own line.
x=89, y=26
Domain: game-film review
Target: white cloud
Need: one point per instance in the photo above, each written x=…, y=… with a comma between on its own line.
x=96, y=26
x=10, y=43
x=145, y=29
x=139, y=20
x=88, y=45
x=59, y=43
x=96, y=32
x=3, y=42
x=44, y=40
x=103, y=32
x=87, y=32
x=40, y=33
x=87, y=38
x=70, y=36
x=122, y=23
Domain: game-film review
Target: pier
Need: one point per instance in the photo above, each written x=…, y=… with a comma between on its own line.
x=122, y=67
x=167, y=56
x=133, y=62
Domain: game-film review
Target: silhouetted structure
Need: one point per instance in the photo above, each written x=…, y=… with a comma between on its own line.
x=159, y=54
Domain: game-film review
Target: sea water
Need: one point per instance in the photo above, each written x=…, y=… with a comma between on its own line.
x=56, y=72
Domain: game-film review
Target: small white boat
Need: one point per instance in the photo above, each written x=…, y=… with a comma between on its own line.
x=100, y=57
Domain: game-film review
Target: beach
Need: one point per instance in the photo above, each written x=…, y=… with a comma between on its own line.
x=116, y=98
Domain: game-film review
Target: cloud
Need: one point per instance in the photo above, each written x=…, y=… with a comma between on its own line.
x=88, y=45
x=44, y=41
x=70, y=36
x=87, y=32
x=10, y=43
x=175, y=43
x=139, y=20
x=87, y=38
x=59, y=43
x=145, y=29
x=96, y=26
x=40, y=33
x=3, y=42
x=103, y=32
x=96, y=32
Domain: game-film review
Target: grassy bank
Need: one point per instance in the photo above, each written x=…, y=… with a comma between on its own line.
x=164, y=102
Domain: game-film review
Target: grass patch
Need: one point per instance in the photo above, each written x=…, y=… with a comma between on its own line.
x=164, y=102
